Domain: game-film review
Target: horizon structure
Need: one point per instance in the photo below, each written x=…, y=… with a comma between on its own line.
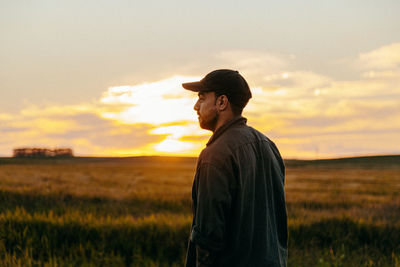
x=105, y=79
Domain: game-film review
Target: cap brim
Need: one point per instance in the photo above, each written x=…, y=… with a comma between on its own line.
x=195, y=87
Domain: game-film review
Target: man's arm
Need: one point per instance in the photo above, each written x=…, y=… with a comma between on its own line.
x=212, y=211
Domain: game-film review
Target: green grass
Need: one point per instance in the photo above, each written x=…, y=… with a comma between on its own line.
x=137, y=211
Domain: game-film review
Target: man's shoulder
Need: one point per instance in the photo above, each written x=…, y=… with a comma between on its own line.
x=242, y=135
x=230, y=141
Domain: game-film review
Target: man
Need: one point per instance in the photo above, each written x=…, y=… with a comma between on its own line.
x=239, y=210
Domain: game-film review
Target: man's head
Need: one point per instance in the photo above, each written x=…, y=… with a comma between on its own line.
x=220, y=92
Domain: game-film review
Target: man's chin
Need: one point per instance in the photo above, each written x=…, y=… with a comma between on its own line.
x=208, y=124
x=202, y=126
x=205, y=126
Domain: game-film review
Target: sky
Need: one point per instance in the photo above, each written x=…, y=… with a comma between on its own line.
x=104, y=77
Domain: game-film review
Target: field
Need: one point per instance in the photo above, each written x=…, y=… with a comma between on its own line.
x=137, y=211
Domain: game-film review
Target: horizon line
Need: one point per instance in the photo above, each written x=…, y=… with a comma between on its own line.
x=187, y=156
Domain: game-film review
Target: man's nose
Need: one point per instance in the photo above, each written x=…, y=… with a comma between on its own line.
x=196, y=106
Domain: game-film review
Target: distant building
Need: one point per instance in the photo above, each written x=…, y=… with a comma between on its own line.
x=29, y=152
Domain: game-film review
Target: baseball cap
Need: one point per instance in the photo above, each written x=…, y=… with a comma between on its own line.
x=223, y=82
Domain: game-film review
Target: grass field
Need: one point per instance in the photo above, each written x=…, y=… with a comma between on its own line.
x=137, y=211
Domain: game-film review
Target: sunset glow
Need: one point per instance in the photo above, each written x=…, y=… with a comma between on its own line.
x=157, y=103
x=307, y=114
x=174, y=146
x=109, y=83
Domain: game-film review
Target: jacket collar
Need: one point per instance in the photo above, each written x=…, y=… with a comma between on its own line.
x=232, y=122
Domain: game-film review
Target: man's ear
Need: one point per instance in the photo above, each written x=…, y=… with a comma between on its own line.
x=222, y=102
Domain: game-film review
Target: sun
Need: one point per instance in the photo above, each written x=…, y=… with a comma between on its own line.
x=155, y=103
x=173, y=146
x=164, y=105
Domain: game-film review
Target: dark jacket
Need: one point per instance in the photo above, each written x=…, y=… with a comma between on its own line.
x=239, y=210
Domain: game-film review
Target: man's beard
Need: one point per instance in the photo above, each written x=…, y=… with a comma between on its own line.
x=210, y=124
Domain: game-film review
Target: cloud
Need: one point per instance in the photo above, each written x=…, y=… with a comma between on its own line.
x=157, y=102
x=306, y=113
x=163, y=104
x=106, y=133
x=253, y=61
x=384, y=58
x=148, y=118
x=85, y=131
x=254, y=65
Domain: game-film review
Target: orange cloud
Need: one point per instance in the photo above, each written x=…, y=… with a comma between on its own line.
x=307, y=114
x=84, y=130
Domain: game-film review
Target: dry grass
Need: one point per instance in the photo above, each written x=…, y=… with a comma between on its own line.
x=137, y=211
x=369, y=195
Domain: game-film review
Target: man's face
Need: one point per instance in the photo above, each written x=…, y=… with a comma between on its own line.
x=207, y=110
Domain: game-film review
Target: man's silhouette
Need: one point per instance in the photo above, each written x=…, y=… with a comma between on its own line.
x=239, y=210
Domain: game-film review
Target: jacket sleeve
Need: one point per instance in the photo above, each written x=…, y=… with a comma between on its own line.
x=212, y=212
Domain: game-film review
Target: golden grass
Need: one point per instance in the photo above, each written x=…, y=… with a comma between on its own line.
x=122, y=207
